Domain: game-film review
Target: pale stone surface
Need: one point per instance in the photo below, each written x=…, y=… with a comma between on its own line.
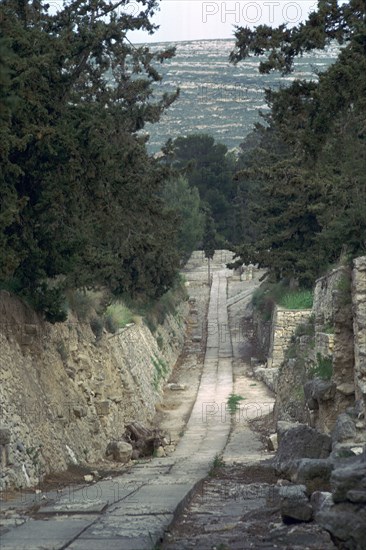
x=284, y=324
x=54, y=418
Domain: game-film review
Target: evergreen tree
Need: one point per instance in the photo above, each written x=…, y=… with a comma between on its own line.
x=81, y=199
x=209, y=241
x=208, y=167
x=185, y=200
x=310, y=203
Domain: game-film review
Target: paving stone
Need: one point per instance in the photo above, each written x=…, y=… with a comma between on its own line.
x=50, y=534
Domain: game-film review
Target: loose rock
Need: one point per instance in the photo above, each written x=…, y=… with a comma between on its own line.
x=294, y=504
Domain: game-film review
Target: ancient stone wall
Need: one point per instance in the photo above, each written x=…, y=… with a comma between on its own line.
x=284, y=324
x=64, y=396
x=324, y=295
x=359, y=327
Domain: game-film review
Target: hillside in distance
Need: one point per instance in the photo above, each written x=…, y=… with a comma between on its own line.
x=217, y=97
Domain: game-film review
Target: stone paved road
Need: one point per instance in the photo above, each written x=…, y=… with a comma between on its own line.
x=132, y=512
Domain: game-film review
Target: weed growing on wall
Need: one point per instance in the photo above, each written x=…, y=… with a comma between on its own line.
x=323, y=369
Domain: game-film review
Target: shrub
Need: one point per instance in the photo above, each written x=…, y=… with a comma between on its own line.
x=269, y=294
x=217, y=463
x=117, y=316
x=81, y=303
x=233, y=401
x=97, y=325
x=160, y=341
x=323, y=369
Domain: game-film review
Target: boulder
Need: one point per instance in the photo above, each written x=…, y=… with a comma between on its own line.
x=294, y=504
x=314, y=473
x=283, y=427
x=321, y=500
x=120, y=451
x=300, y=442
x=346, y=522
x=323, y=390
x=357, y=496
x=348, y=478
x=318, y=390
x=344, y=429
x=346, y=389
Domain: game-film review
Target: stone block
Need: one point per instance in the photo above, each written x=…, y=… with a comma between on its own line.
x=348, y=478
x=294, y=504
x=301, y=442
x=346, y=389
x=344, y=429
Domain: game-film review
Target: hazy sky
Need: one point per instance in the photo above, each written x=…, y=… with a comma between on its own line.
x=205, y=19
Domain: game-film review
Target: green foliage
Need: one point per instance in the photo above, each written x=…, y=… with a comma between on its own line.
x=209, y=168
x=160, y=341
x=155, y=312
x=323, y=369
x=97, y=326
x=328, y=329
x=185, y=200
x=117, y=316
x=209, y=240
x=299, y=299
x=233, y=401
x=304, y=202
x=49, y=301
x=269, y=294
x=217, y=464
x=81, y=200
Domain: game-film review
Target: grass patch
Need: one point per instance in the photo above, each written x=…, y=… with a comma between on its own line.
x=233, y=401
x=160, y=341
x=154, y=312
x=216, y=465
x=299, y=299
x=97, y=326
x=323, y=369
x=269, y=294
x=328, y=329
x=117, y=316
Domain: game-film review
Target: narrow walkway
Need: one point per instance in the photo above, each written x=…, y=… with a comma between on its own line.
x=131, y=512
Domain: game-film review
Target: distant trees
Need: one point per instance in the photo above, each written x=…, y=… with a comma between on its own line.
x=303, y=178
x=185, y=201
x=208, y=167
x=209, y=242
x=81, y=201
